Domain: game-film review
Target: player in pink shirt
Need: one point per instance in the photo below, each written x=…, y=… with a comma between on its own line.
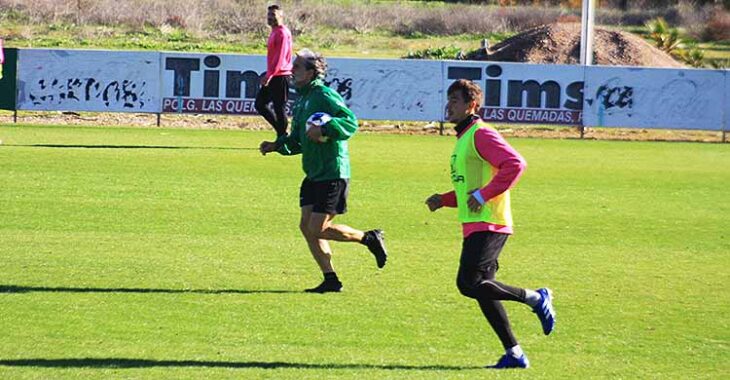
x=275, y=83
x=483, y=168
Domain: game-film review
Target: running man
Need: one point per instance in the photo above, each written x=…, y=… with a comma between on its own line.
x=326, y=164
x=483, y=169
x=275, y=83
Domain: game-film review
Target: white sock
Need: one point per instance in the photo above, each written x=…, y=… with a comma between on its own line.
x=515, y=351
x=532, y=297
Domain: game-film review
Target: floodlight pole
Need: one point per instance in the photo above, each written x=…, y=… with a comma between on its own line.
x=586, y=39
x=586, y=32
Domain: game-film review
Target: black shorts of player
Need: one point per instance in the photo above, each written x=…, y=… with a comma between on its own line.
x=325, y=197
x=479, y=258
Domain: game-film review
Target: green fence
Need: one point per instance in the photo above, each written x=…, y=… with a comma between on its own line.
x=8, y=82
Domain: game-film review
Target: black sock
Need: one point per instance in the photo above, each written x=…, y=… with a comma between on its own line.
x=331, y=276
x=366, y=238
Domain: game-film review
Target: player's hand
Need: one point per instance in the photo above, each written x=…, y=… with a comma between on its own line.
x=473, y=203
x=434, y=202
x=314, y=133
x=267, y=147
x=265, y=81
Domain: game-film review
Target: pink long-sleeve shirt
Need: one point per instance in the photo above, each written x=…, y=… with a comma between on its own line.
x=279, y=52
x=495, y=150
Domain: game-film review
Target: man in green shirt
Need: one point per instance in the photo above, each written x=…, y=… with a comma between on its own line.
x=326, y=164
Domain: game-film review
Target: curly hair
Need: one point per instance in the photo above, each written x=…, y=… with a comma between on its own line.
x=313, y=61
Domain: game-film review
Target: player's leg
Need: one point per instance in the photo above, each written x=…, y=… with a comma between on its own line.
x=263, y=98
x=319, y=248
x=487, y=260
x=540, y=301
x=322, y=254
x=279, y=95
x=332, y=201
x=490, y=289
x=478, y=265
x=496, y=315
x=321, y=225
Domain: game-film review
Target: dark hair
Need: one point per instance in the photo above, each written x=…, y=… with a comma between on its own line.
x=470, y=91
x=274, y=7
x=314, y=61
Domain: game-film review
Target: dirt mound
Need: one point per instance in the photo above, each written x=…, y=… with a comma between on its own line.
x=560, y=43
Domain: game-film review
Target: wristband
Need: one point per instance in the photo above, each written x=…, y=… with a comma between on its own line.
x=478, y=196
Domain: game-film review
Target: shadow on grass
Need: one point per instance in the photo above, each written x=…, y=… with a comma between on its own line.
x=146, y=363
x=62, y=289
x=122, y=146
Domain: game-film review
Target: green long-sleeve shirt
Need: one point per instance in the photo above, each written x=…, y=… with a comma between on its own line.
x=321, y=161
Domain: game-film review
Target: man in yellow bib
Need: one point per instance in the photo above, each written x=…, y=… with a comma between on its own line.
x=483, y=169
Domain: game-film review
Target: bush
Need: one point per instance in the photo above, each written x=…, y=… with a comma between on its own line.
x=665, y=37
x=691, y=56
x=720, y=63
x=444, y=52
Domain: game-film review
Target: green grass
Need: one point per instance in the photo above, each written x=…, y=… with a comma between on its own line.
x=187, y=263
x=331, y=42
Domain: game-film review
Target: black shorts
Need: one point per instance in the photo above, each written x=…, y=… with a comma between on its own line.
x=325, y=197
x=480, y=256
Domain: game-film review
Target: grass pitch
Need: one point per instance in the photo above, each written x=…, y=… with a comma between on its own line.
x=164, y=253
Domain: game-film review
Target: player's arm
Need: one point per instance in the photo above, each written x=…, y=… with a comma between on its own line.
x=437, y=201
x=493, y=148
x=344, y=123
x=290, y=144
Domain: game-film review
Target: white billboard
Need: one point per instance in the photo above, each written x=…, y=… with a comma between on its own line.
x=655, y=98
x=380, y=89
x=523, y=93
x=373, y=89
x=88, y=80
x=118, y=81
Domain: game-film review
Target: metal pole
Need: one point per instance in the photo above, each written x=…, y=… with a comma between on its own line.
x=724, y=136
x=441, y=128
x=15, y=116
x=158, y=119
x=586, y=39
x=586, y=32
